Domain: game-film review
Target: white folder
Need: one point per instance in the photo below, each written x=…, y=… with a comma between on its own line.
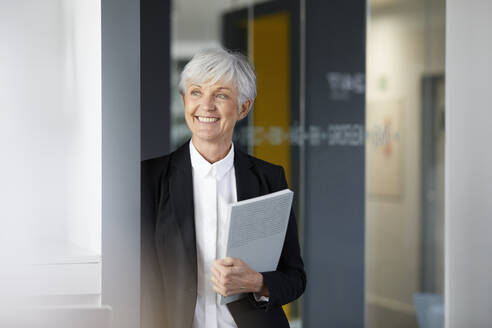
x=256, y=232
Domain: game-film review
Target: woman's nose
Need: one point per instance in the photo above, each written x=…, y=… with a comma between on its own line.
x=207, y=102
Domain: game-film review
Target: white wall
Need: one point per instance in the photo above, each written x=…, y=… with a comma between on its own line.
x=468, y=163
x=50, y=121
x=81, y=99
x=50, y=140
x=32, y=123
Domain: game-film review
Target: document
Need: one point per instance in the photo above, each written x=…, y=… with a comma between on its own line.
x=256, y=232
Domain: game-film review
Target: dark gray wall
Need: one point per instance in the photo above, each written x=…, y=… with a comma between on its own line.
x=155, y=77
x=334, y=166
x=121, y=160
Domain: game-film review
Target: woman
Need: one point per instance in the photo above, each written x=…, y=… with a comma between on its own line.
x=184, y=200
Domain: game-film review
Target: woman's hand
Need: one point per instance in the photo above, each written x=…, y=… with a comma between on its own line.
x=232, y=276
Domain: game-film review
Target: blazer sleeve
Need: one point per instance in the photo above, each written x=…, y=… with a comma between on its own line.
x=288, y=282
x=152, y=302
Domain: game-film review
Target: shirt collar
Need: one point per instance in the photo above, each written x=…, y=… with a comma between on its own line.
x=217, y=169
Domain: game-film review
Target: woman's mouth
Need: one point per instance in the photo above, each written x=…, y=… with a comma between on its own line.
x=205, y=119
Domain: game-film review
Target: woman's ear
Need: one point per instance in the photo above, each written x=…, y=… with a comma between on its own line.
x=245, y=108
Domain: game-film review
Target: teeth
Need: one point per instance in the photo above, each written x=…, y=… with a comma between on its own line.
x=207, y=119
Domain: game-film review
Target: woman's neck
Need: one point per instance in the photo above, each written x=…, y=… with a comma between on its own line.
x=212, y=151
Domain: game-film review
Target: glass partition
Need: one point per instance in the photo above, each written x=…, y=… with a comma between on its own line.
x=405, y=164
x=403, y=137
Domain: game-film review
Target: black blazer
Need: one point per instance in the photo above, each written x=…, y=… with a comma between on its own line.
x=168, y=252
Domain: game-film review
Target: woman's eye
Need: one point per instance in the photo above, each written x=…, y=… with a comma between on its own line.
x=222, y=96
x=195, y=93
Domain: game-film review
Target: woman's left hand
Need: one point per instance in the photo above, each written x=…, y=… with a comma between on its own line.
x=232, y=276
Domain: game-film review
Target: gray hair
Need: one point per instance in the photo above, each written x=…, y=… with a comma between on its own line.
x=217, y=64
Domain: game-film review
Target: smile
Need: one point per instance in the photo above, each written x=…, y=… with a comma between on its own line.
x=207, y=119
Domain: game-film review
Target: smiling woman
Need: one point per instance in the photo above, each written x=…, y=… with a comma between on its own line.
x=185, y=196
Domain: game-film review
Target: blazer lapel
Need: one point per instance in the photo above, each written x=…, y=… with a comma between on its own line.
x=247, y=182
x=248, y=185
x=182, y=187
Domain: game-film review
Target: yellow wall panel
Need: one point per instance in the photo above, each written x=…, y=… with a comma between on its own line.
x=271, y=55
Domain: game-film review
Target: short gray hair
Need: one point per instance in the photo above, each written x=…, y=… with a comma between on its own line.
x=217, y=64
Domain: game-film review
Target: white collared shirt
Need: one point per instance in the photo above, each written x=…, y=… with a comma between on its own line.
x=214, y=186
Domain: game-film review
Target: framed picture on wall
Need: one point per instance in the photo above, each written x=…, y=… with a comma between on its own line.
x=384, y=148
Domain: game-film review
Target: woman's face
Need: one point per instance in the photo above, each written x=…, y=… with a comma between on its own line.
x=211, y=111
